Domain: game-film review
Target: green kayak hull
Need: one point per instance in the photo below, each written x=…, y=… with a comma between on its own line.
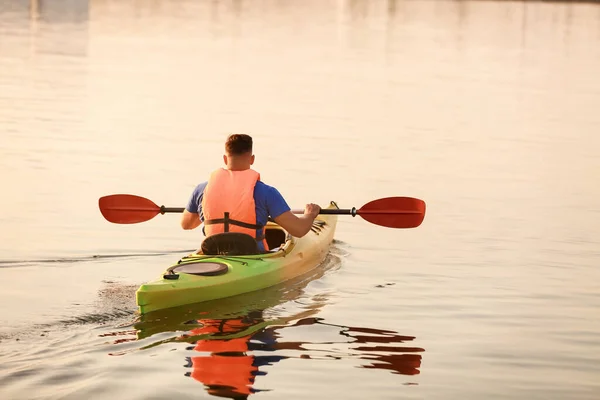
x=243, y=274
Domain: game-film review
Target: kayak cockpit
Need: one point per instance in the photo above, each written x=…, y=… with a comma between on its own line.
x=241, y=244
x=276, y=237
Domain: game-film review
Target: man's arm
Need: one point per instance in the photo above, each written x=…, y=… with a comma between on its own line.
x=191, y=214
x=281, y=213
x=298, y=226
x=190, y=220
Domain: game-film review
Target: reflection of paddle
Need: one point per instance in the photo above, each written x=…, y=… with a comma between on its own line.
x=385, y=336
x=391, y=212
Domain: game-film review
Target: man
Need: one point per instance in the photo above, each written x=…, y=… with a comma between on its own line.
x=235, y=200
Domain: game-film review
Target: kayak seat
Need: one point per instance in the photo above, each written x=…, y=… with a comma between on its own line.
x=230, y=244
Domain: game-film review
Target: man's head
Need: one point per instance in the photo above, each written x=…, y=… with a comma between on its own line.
x=238, y=152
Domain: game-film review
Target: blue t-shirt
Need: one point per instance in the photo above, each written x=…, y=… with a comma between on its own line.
x=269, y=203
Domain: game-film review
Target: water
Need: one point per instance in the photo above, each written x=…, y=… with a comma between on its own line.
x=487, y=110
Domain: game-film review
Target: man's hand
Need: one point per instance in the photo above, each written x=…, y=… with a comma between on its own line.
x=299, y=226
x=312, y=210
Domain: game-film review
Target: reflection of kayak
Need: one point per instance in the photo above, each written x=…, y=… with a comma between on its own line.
x=198, y=277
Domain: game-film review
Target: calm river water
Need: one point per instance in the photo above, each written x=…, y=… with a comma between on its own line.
x=487, y=110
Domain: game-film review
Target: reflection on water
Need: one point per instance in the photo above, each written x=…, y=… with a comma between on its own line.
x=233, y=351
x=232, y=358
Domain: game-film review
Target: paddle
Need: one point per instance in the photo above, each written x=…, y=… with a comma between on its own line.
x=392, y=212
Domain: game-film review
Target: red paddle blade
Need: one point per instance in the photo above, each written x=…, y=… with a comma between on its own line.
x=127, y=208
x=394, y=212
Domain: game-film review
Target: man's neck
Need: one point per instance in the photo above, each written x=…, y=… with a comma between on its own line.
x=237, y=167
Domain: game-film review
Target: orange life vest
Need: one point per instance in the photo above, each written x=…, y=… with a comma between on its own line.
x=219, y=370
x=228, y=204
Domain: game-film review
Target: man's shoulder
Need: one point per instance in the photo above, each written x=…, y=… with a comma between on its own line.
x=262, y=185
x=201, y=186
x=199, y=190
x=262, y=188
x=269, y=197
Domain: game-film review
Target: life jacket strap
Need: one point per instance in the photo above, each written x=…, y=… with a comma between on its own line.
x=226, y=221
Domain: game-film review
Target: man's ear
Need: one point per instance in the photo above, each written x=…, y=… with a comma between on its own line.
x=252, y=159
x=225, y=158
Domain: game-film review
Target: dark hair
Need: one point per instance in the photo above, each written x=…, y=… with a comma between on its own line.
x=238, y=144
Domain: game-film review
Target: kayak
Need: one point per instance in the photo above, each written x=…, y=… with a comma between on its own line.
x=241, y=306
x=200, y=277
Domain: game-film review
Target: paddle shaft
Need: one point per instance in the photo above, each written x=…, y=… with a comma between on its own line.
x=164, y=209
x=349, y=211
x=341, y=211
x=354, y=212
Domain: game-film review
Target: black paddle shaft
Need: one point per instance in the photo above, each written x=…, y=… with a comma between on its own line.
x=164, y=209
x=332, y=211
